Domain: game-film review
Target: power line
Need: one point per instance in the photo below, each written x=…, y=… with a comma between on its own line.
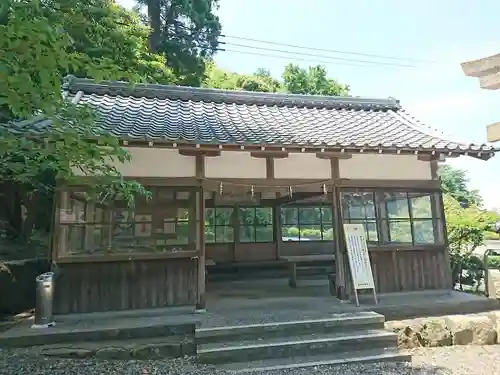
x=301, y=59
x=328, y=50
x=320, y=56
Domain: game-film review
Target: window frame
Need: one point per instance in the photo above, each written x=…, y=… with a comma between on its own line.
x=254, y=225
x=437, y=219
x=215, y=225
x=321, y=223
x=110, y=248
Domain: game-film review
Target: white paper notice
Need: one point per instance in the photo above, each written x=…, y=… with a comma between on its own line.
x=359, y=259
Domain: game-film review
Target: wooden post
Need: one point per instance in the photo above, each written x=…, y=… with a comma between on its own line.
x=342, y=277
x=341, y=263
x=200, y=234
x=200, y=244
x=63, y=230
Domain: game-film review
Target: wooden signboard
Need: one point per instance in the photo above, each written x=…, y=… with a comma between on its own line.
x=359, y=259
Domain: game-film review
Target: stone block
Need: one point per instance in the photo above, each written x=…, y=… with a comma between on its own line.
x=474, y=329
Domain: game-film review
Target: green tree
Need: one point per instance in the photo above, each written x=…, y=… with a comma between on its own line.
x=466, y=228
x=455, y=183
x=186, y=32
x=311, y=81
x=35, y=49
x=110, y=37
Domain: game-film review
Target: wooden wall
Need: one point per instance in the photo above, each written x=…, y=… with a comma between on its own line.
x=410, y=270
x=109, y=286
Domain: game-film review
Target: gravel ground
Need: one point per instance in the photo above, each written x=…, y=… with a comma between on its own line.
x=470, y=360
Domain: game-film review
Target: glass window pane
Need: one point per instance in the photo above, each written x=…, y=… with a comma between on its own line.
x=309, y=215
x=263, y=216
x=310, y=233
x=370, y=229
x=358, y=205
x=247, y=233
x=223, y=216
x=289, y=215
x=209, y=216
x=421, y=206
x=75, y=238
x=182, y=214
x=423, y=231
x=400, y=231
x=181, y=236
x=289, y=233
x=369, y=204
x=327, y=232
x=264, y=233
x=224, y=234
x=396, y=205
x=247, y=216
x=209, y=233
x=326, y=213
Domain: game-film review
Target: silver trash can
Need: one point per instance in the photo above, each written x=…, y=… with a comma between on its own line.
x=44, y=298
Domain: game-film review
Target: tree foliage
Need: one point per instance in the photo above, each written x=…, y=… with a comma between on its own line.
x=295, y=80
x=312, y=81
x=186, y=32
x=36, y=49
x=455, y=183
x=466, y=228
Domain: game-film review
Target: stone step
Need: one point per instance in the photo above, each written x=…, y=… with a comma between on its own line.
x=298, y=346
x=364, y=356
x=337, y=323
x=139, y=349
x=98, y=332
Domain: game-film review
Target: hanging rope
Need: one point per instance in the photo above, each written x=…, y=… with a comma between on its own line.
x=220, y=183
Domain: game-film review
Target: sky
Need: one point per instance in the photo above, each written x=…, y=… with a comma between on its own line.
x=442, y=33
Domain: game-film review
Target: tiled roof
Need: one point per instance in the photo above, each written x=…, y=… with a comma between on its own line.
x=209, y=116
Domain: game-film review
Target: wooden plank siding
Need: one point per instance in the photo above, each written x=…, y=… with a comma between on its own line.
x=405, y=271
x=111, y=286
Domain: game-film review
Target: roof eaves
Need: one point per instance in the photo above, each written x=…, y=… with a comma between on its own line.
x=116, y=88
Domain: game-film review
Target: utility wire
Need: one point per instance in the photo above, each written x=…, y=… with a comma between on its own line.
x=302, y=59
x=320, y=56
x=328, y=50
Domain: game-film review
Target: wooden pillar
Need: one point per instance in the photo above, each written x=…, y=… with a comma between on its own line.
x=342, y=278
x=277, y=229
x=63, y=230
x=200, y=234
x=89, y=226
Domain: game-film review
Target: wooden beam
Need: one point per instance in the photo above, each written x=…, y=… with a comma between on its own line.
x=493, y=132
x=195, y=152
x=267, y=154
x=333, y=155
x=490, y=82
x=270, y=167
x=482, y=67
x=434, y=169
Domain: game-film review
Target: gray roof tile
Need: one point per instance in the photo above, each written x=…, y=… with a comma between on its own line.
x=209, y=116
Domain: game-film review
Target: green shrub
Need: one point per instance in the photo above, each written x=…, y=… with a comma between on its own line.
x=491, y=235
x=494, y=261
x=291, y=232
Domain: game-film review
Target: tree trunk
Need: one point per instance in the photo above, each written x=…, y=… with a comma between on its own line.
x=154, y=15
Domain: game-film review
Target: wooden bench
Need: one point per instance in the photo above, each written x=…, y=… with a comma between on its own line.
x=300, y=260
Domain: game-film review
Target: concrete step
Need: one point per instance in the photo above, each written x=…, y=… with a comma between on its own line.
x=336, y=324
x=297, y=346
x=364, y=356
x=102, y=331
x=139, y=349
